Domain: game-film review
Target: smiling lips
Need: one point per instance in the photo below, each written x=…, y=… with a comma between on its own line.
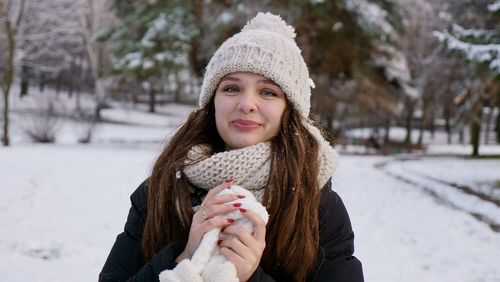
x=243, y=124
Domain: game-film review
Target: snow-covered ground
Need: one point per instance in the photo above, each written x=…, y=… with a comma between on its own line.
x=404, y=234
x=62, y=205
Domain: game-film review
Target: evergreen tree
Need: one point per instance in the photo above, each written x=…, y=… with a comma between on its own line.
x=478, y=43
x=152, y=43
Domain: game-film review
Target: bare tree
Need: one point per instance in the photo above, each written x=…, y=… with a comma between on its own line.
x=422, y=51
x=42, y=36
x=11, y=15
x=94, y=15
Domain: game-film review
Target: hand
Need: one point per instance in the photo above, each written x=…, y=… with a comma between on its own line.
x=245, y=249
x=206, y=218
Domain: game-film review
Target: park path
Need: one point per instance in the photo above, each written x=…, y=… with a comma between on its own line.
x=406, y=233
x=482, y=206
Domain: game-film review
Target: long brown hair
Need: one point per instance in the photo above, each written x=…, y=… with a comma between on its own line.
x=292, y=194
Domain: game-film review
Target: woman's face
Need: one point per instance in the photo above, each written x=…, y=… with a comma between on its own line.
x=248, y=109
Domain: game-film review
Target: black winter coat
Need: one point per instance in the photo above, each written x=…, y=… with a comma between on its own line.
x=335, y=256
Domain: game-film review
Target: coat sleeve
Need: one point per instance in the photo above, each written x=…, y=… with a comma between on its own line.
x=125, y=261
x=260, y=276
x=335, y=254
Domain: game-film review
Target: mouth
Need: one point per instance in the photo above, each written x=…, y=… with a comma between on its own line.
x=243, y=124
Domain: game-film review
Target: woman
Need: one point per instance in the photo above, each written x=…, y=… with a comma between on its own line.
x=252, y=129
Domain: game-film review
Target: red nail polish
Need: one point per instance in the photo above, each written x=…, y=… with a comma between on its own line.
x=241, y=196
x=243, y=210
x=229, y=180
x=237, y=205
x=219, y=242
x=230, y=220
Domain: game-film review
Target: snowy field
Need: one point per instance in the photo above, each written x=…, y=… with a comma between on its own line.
x=62, y=205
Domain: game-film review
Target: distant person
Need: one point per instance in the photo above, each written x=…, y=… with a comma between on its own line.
x=252, y=129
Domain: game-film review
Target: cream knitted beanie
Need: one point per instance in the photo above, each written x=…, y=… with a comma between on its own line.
x=266, y=46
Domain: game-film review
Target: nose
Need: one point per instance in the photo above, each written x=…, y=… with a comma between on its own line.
x=247, y=102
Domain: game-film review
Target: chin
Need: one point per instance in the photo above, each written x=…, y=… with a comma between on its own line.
x=243, y=143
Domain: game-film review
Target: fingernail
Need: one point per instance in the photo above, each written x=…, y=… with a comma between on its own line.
x=241, y=196
x=230, y=220
x=229, y=180
x=243, y=210
x=219, y=242
x=237, y=205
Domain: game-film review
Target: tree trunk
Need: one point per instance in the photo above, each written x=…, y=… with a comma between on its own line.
x=488, y=125
x=152, y=100
x=5, y=137
x=79, y=86
x=447, y=127
x=387, y=130
x=196, y=65
x=497, y=126
x=58, y=83
x=78, y=102
x=423, y=119
x=41, y=84
x=408, y=123
x=99, y=90
x=24, y=81
x=475, y=133
x=178, y=88
x=9, y=74
x=421, y=128
x=432, y=126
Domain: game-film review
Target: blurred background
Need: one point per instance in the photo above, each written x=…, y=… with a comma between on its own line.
x=407, y=90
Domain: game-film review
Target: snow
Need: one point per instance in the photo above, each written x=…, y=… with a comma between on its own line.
x=483, y=180
x=487, y=52
x=154, y=29
x=58, y=202
x=462, y=32
x=62, y=205
x=494, y=7
x=403, y=234
x=131, y=60
x=372, y=17
x=466, y=202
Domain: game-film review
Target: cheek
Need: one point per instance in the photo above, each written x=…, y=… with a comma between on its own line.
x=219, y=120
x=222, y=105
x=219, y=109
x=275, y=119
x=221, y=115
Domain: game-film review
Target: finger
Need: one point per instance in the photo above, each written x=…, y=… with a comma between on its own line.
x=214, y=191
x=221, y=199
x=215, y=222
x=237, y=247
x=231, y=254
x=242, y=234
x=216, y=210
x=232, y=257
x=259, y=226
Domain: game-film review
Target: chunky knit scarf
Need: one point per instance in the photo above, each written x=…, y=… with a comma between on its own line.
x=248, y=166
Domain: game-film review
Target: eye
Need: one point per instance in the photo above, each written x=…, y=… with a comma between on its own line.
x=230, y=89
x=268, y=93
